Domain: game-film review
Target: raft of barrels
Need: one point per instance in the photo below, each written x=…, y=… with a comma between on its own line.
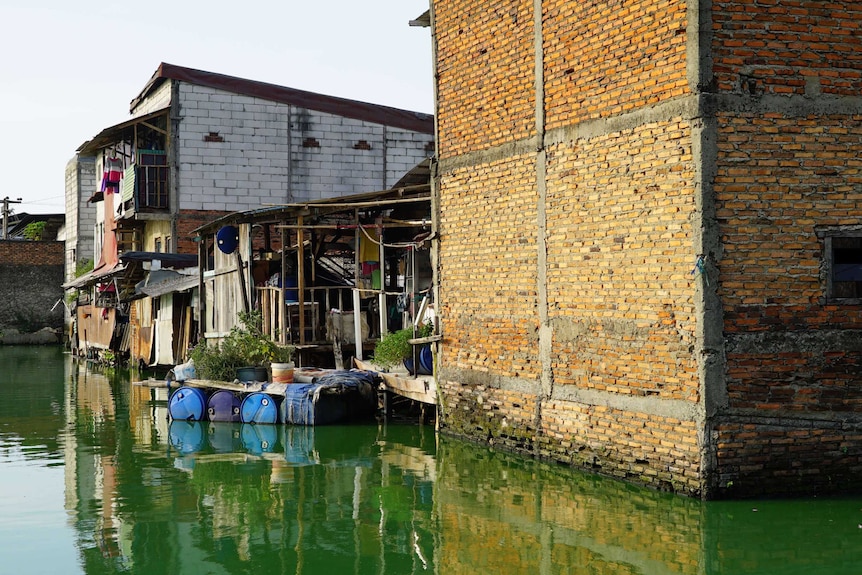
x=330, y=396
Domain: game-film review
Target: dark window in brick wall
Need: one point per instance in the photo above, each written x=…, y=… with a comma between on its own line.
x=844, y=267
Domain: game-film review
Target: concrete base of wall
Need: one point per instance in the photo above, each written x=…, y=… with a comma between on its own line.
x=45, y=336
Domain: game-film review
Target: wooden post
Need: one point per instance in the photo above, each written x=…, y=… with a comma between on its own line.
x=357, y=325
x=300, y=278
x=241, y=277
x=357, y=265
x=282, y=304
x=202, y=289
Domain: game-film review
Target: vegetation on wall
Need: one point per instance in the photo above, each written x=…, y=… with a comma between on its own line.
x=83, y=266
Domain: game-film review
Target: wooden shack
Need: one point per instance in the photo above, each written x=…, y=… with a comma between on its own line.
x=324, y=274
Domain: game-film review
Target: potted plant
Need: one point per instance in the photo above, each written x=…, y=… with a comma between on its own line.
x=394, y=348
x=244, y=354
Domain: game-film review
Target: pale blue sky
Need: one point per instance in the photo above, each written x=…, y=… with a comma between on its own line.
x=70, y=69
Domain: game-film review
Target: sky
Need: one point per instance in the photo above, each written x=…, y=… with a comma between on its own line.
x=70, y=69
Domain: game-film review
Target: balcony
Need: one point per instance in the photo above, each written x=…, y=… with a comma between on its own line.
x=146, y=183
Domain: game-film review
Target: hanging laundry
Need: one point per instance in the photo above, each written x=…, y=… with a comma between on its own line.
x=113, y=175
x=369, y=251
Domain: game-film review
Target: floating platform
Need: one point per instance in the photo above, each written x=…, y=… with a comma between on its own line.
x=318, y=397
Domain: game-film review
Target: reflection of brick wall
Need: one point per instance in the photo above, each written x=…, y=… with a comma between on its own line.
x=498, y=514
x=31, y=274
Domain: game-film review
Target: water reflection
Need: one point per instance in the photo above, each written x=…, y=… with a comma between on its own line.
x=145, y=495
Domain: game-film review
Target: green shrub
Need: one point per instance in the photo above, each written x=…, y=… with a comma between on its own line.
x=393, y=347
x=34, y=230
x=246, y=345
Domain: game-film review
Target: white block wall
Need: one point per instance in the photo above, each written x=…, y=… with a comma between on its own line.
x=158, y=100
x=80, y=216
x=262, y=160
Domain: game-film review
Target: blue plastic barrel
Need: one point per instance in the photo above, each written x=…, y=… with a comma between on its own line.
x=259, y=407
x=426, y=360
x=223, y=405
x=187, y=404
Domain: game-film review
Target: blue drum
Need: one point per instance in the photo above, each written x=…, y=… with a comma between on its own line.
x=259, y=407
x=187, y=404
x=224, y=405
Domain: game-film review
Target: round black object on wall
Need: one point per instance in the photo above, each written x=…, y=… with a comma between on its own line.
x=227, y=239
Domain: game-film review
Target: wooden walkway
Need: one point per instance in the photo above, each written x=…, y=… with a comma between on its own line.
x=422, y=388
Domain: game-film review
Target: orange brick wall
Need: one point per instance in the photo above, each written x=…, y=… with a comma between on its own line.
x=607, y=58
x=792, y=357
x=620, y=256
x=760, y=455
x=485, y=65
x=618, y=210
x=787, y=47
x=488, y=283
x=567, y=255
x=780, y=178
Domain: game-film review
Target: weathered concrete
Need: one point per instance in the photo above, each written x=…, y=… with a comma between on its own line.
x=31, y=274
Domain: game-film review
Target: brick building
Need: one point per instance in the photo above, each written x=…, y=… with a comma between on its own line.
x=30, y=276
x=650, y=237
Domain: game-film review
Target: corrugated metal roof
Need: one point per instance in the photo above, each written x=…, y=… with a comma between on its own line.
x=123, y=130
x=178, y=283
x=95, y=276
x=375, y=113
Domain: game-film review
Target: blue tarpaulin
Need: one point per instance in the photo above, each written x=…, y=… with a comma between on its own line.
x=330, y=398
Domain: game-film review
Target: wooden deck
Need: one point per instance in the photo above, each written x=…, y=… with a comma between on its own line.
x=421, y=388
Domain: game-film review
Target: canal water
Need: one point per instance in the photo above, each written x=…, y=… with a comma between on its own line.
x=95, y=480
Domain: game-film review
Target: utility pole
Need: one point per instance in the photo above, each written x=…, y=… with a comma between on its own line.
x=6, y=202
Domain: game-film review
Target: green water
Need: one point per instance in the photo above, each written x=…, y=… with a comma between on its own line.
x=94, y=479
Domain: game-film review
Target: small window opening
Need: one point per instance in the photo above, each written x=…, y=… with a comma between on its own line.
x=846, y=267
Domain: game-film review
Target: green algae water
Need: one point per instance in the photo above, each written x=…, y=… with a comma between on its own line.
x=94, y=479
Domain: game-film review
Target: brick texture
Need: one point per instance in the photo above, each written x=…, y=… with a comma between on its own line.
x=489, y=283
x=619, y=262
x=577, y=325
x=606, y=58
x=787, y=47
x=485, y=68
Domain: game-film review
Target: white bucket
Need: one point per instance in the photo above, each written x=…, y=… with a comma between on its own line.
x=282, y=372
